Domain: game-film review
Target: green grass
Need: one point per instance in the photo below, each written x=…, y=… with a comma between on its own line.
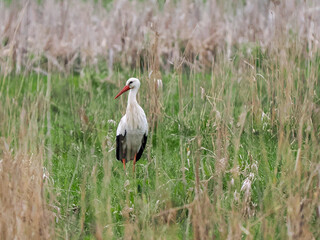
x=221, y=129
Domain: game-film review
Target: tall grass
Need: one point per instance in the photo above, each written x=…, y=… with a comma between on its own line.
x=232, y=96
x=25, y=211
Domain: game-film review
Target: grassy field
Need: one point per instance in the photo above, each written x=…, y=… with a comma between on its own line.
x=233, y=150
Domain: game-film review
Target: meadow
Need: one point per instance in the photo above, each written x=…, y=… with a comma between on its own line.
x=232, y=96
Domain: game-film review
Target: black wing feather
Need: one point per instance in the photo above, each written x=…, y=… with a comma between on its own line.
x=143, y=145
x=121, y=151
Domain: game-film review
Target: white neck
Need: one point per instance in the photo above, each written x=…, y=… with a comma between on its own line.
x=132, y=100
x=135, y=116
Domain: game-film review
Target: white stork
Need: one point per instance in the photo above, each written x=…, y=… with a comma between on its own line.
x=132, y=130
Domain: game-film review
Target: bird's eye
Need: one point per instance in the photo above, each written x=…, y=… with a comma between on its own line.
x=130, y=82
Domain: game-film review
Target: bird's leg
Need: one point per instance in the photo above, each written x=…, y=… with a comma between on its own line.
x=134, y=161
x=124, y=163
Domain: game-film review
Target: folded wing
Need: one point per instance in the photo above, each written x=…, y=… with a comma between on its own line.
x=143, y=145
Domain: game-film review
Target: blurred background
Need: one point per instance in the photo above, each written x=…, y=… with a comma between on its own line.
x=75, y=34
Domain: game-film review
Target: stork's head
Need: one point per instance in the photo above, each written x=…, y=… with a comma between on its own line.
x=132, y=83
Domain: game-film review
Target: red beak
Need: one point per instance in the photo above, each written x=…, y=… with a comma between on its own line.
x=126, y=88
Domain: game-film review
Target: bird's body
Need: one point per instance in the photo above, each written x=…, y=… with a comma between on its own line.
x=132, y=130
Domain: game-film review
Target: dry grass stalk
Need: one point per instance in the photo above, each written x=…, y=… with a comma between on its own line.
x=25, y=212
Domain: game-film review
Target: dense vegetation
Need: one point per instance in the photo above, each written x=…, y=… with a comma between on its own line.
x=233, y=150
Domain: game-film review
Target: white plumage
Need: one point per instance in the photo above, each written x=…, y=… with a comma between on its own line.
x=132, y=130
